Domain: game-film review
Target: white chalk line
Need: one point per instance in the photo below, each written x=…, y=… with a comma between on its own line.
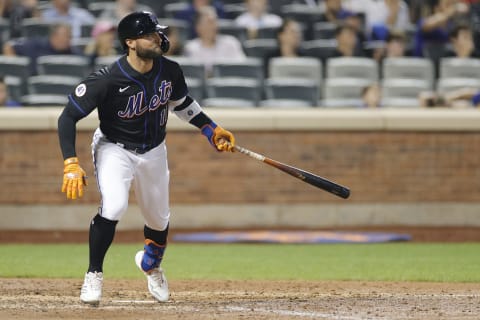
x=280, y=312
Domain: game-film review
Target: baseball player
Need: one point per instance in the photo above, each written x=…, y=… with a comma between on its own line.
x=133, y=97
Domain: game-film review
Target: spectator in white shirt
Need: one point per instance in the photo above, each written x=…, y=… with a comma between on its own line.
x=382, y=14
x=62, y=11
x=257, y=16
x=210, y=46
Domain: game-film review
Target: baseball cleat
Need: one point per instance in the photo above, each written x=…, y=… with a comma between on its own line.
x=157, y=282
x=91, y=292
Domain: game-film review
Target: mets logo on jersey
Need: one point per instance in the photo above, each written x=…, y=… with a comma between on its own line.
x=136, y=105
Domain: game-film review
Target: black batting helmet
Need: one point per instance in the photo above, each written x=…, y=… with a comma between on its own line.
x=140, y=23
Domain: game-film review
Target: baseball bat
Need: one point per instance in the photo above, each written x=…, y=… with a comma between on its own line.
x=305, y=176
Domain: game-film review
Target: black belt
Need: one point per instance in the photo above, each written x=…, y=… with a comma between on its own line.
x=134, y=148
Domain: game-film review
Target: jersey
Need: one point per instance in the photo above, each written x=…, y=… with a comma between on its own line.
x=132, y=107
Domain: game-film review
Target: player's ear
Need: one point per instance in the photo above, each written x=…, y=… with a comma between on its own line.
x=130, y=43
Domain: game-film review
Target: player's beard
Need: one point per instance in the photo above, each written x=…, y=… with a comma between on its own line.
x=149, y=53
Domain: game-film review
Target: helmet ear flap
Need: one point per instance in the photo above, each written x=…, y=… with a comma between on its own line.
x=165, y=45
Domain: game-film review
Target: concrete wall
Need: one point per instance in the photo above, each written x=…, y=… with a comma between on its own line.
x=404, y=167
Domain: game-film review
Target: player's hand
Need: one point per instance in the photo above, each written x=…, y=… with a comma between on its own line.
x=219, y=138
x=74, y=178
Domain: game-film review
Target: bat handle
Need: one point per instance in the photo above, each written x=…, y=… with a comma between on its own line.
x=249, y=153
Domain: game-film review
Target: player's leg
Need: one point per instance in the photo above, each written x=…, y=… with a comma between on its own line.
x=151, y=189
x=113, y=170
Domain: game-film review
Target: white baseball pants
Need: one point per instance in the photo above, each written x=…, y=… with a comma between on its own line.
x=117, y=168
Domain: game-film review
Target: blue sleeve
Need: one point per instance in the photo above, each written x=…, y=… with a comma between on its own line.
x=476, y=99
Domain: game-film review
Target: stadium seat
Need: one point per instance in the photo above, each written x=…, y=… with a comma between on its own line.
x=236, y=88
x=35, y=27
x=4, y=30
x=229, y=27
x=324, y=30
x=409, y=68
x=284, y=103
x=449, y=84
x=41, y=100
x=352, y=67
x=104, y=61
x=267, y=32
x=16, y=67
x=72, y=65
x=180, y=25
x=191, y=68
x=52, y=84
x=305, y=90
x=80, y=44
x=406, y=88
x=460, y=68
x=303, y=13
x=296, y=67
x=14, y=87
x=234, y=9
x=344, y=92
x=260, y=48
x=228, y=103
x=322, y=49
x=196, y=89
x=96, y=8
x=251, y=68
x=170, y=10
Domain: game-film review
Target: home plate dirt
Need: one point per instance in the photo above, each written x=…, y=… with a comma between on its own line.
x=129, y=299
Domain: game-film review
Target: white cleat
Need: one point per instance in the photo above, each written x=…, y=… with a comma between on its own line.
x=157, y=282
x=91, y=292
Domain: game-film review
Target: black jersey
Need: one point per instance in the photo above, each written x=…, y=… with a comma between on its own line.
x=132, y=107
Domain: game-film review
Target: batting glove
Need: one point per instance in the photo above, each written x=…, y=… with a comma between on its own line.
x=219, y=138
x=74, y=178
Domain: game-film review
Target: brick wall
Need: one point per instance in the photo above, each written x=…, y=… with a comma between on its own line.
x=380, y=166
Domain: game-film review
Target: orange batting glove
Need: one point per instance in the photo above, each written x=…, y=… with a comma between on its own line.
x=219, y=138
x=74, y=178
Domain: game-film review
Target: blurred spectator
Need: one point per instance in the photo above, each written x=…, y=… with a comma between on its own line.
x=457, y=99
x=58, y=42
x=381, y=15
x=346, y=37
x=21, y=10
x=257, y=16
x=372, y=96
x=395, y=46
x=334, y=11
x=436, y=27
x=121, y=9
x=210, y=46
x=176, y=44
x=103, y=43
x=5, y=8
x=461, y=38
x=191, y=12
x=386, y=14
x=62, y=11
x=5, y=100
x=289, y=39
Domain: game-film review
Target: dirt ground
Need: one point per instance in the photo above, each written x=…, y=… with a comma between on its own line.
x=348, y=300
x=58, y=299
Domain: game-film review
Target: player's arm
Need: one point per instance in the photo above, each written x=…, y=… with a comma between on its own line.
x=74, y=177
x=79, y=105
x=190, y=111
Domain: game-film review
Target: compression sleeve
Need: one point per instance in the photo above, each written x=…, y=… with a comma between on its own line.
x=67, y=125
x=189, y=110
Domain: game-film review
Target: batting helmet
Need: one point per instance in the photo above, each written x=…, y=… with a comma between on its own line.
x=140, y=23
